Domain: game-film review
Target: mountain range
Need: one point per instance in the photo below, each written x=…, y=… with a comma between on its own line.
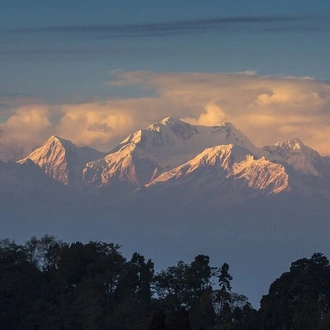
x=173, y=160
x=172, y=163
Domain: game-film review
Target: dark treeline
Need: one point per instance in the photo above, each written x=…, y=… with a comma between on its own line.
x=49, y=284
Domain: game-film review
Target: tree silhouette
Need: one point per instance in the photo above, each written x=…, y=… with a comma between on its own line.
x=300, y=298
x=158, y=321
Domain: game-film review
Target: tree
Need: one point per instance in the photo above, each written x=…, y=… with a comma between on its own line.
x=172, y=285
x=44, y=252
x=225, y=278
x=84, y=284
x=181, y=320
x=21, y=288
x=300, y=298
x=48, y=284
x=158, y=321
x=202, y=314
x=223, y=297
x=199, y=274
x=141, y=274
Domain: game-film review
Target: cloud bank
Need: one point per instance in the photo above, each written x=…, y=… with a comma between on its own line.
x=265, y=108
x=174, y=27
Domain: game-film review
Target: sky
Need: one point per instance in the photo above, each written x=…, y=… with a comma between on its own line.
x=95, y=71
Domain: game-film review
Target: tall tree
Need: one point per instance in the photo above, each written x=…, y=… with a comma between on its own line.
x=172, y=286
x=158, y=321
x=21, y=289
x=225, y=278
x=300, y=298
x=223, y=297
x=180, y=320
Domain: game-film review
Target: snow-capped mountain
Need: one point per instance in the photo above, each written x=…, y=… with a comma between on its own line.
x=62, y=160
x=162, y=146
x=173, y=162
x=309, y=172
x=124, y=170
x=173, y=142
x=301, y=158
x=223, y=175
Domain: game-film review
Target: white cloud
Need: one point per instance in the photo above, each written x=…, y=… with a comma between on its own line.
x=212, y=115
x=29, y=125
x=265, y=108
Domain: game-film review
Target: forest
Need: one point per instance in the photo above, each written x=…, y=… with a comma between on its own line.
x=46, y=283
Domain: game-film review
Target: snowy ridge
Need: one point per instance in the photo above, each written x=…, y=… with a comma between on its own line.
x=226, y=170
x=293, y=152
x=144, y=155
x=173, y=142
x=129, y=165
x=62, y=160
x=221, y=157
x=261, y=174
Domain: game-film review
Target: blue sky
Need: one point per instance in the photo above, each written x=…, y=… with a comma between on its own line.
x=67, y=43
x=56, y=53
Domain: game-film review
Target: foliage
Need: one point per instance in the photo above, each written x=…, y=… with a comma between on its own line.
x=48, y=284
x=300, y=298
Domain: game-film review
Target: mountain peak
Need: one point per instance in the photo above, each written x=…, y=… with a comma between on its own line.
x=221, y=175
x=174, y=124
x=62, y=160
x=291, y=144
x=295, y=153
x=54, y=139
x=225, y=155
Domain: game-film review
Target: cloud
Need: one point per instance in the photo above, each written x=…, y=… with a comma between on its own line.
x=213, y=114
x=100, y=127
x=103, y=124
x=28, y=126
x=74, y=40
x=94, y=124
x=177, y=27
x=265, y=108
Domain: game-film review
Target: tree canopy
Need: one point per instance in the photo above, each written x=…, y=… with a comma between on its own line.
x=49, y=284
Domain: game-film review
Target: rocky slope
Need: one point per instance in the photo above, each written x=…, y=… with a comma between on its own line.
x=145, y=154
x=62, y=160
